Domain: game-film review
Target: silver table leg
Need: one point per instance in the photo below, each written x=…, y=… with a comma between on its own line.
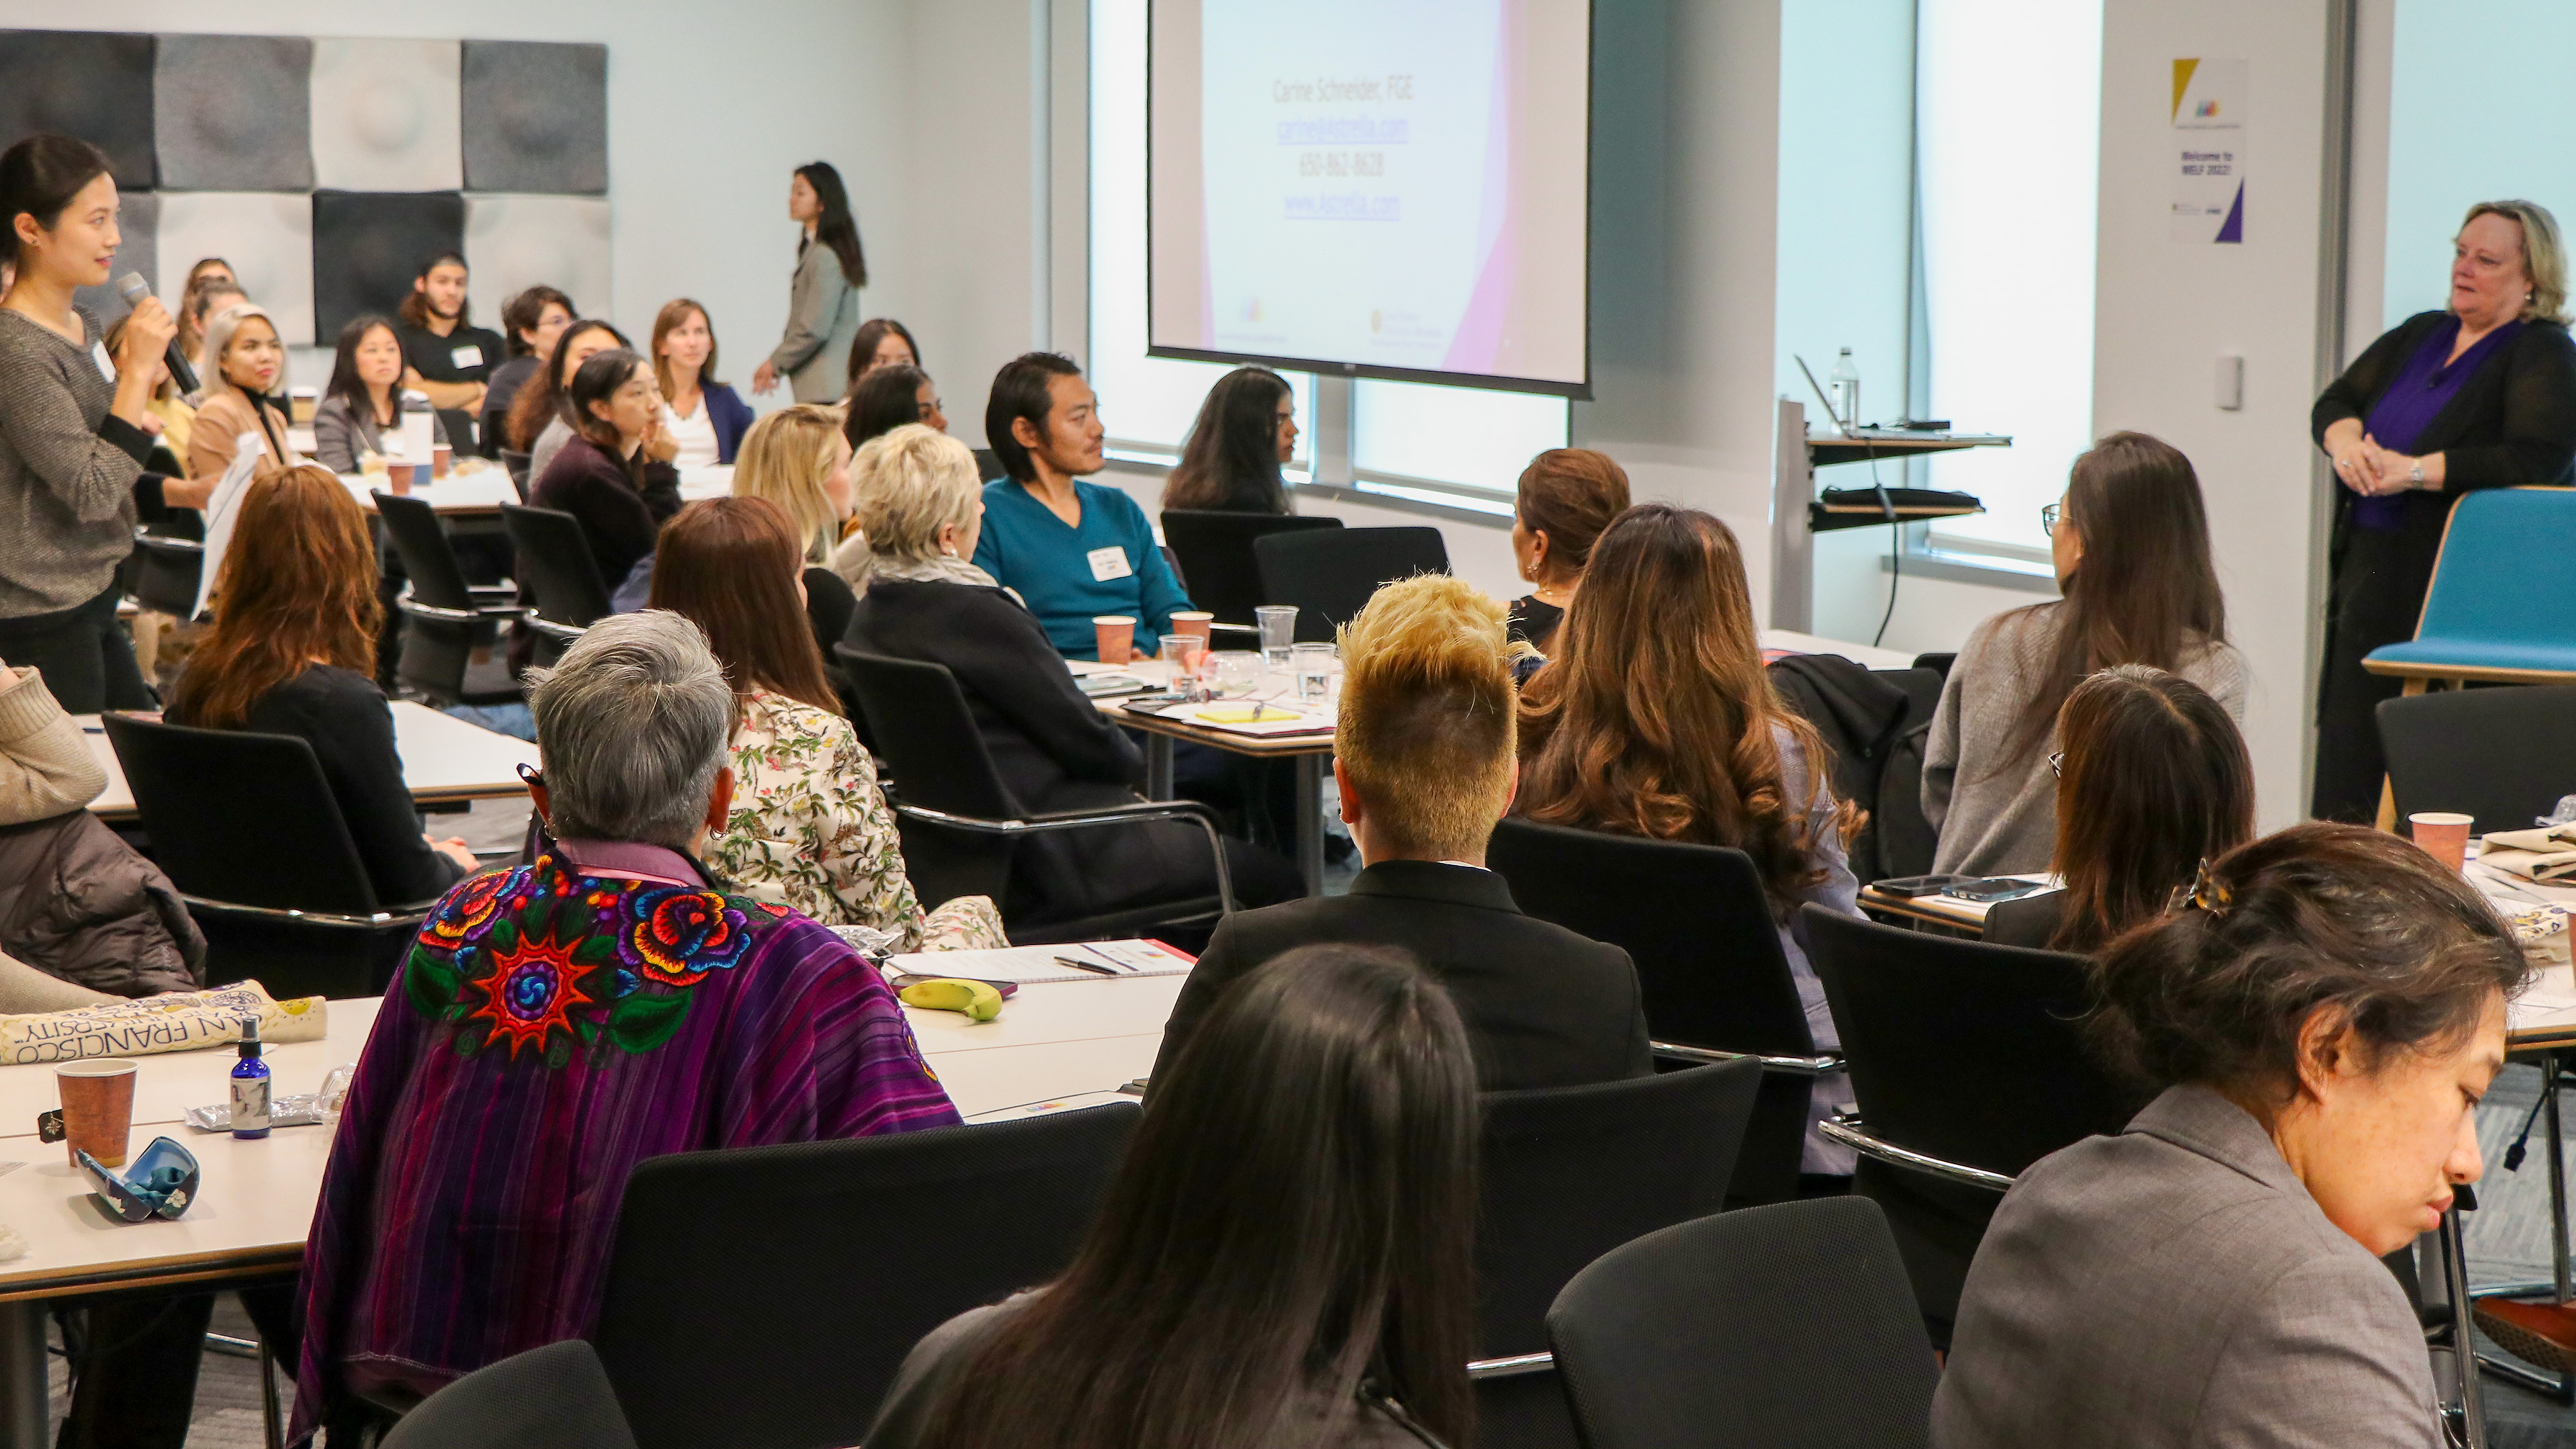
x=1158, y=766
x=1310, y=822
x=22, y=1375
x=2464, y=1355
x=2556, y=1147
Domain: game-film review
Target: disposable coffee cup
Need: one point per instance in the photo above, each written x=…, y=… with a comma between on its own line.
x=398, y=479
x=2444, y=836
x=439, y=456
x=301, y=404
x=98, y=1108
x=1188, y=622
x=1117, y=637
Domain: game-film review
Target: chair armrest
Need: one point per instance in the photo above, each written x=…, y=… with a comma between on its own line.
x=1512, y=1367
x=1822, y=1065
x=1189, y=810
x=553, y=630
x=1845, y=1128
x=164, y=543
x=405, y=917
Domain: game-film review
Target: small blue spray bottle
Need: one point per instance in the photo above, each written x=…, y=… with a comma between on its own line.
x=250, y=1085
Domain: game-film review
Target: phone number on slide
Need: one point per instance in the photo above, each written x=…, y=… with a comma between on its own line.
x=1341, y=163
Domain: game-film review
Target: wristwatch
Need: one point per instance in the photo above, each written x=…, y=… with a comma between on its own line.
x=2415, y=474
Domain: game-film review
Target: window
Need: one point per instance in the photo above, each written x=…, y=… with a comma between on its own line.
x=2008, y=136
x=1454, y=445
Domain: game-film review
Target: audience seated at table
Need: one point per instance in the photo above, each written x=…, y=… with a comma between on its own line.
x=1655, y=718
x=797, y=459
x=809, y=826
x=615, y=476
x=920, y=509
x=2323, y=1015
x=446, y=358
x=541, y=419
x=1423, y=754
x=169, y=417
x=1073, y=551
x=77, y=904
x=2153, y=780
x=2132, y=551
x=208, y=272
x=212, y=295
x=889, y=397
x=364, y=399
x=531, y=322
x=1308, y=1282
x=1567, y=496
x=704, y=418
x=292, y=651
x=560, y=1022
x=1246, y=428
x=245, y=361
x=881, y=342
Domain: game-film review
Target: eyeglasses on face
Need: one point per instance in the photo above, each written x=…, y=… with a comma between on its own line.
x=2057, y=763
x=2049, y=514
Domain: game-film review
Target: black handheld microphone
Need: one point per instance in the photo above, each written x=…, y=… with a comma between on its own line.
x=134, y=289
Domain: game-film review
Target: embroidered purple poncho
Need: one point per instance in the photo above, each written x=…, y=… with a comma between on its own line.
x=553, y=1026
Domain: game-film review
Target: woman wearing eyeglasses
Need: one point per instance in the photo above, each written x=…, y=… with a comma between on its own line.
x=2131, y=544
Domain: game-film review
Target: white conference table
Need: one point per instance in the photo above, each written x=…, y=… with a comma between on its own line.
x=486, y=489
x=445, y=761
x=1077, y=1040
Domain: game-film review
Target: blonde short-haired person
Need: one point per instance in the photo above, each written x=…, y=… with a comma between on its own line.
x=921, y=508
x=1424, y=754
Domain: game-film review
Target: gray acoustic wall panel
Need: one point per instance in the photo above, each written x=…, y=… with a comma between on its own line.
x=234, y=112
x=90, y=84
x=536, y=117
x=385, y=115
x=266, y=235
x=138, y=224
x=368, y=246
x=513, y=242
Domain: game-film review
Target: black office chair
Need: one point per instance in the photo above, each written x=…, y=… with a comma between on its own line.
x=169, y=561
x=246, y=827
x=1787, y=1327
x=1967, y=1065
x=2525, y=757
x=1717, y=985
x=517, y=464
x=555, y=1397
x=445, y=619
x=862, y=1247
x=959, y=822
x=1329, y=573
x=987, y=466
x=1565, y=1175
x=1215, y=552
x=555, y=564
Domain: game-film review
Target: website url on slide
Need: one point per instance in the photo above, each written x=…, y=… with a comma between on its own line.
x=1345, y=207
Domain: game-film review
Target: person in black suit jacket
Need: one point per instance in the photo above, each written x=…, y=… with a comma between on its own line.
x=920, y=509
x=1424, y=756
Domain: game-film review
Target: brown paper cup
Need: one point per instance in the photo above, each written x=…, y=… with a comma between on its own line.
x=2444, y=836
x=1117, y=636
x=1188, y=622
x=98, y=1108
x=439, y=456
x=398, y=479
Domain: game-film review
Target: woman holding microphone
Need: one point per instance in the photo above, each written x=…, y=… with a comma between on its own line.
x=2479, y=395
x=72, y=441
x=823, y=302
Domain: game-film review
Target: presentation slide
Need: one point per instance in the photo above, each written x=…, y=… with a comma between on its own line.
x=1381, y=188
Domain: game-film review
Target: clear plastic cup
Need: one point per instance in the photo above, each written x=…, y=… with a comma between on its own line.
x=1183, y=652
x=1313, y=667
x=1278, y=627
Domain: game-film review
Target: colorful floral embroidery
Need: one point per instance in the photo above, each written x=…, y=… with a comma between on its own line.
x=544, y=963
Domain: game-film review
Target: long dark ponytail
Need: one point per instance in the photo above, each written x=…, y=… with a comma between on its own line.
x=836, y=228
x=1292, y=1220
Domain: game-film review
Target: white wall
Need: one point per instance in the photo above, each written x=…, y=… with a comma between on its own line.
x=2167, y=309
x=708, y=113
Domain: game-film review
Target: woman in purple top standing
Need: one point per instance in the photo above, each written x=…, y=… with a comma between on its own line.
x=605, y=1002
x=2479, y=395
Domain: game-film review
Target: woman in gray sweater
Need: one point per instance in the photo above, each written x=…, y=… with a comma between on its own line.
x=823, y=303
x=2132, y=551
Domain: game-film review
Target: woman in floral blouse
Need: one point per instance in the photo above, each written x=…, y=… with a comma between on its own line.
x=809, y=827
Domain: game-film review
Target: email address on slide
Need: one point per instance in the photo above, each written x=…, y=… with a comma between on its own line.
x=1345, y=207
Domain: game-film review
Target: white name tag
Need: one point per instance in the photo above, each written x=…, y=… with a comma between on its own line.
x=1109, y=563
x=98, y=354
x=467, y=355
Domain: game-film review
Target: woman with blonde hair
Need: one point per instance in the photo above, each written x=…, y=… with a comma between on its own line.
x=1654, y=717
x=292, y=651
x=796, y=459
x=245, y=361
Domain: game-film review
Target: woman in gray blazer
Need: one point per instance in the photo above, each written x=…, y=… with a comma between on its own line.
x=364, y=400
x=823, y=303
x=2323, y=1015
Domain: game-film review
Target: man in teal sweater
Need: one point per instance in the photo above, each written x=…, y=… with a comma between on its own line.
x=1073, y=550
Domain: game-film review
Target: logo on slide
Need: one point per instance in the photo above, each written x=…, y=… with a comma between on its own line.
x=2205, y=110
x=1377, y=321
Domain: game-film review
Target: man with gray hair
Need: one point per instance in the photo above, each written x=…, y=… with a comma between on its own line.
x=557, y=1023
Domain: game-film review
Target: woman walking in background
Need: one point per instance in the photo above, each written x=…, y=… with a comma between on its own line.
x=823, y=303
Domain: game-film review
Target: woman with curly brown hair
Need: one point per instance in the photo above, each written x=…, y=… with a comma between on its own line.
x=292, y=651
x=1654, y=717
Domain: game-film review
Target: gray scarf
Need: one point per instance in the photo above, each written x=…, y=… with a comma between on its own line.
x=854, y=557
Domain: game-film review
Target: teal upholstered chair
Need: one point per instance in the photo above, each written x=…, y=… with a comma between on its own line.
x=2504, y=588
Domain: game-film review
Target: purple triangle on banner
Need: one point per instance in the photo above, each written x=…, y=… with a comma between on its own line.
x=2233, y=229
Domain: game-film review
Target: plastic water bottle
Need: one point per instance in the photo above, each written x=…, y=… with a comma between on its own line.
x=250, y=1085
x=1843, y=387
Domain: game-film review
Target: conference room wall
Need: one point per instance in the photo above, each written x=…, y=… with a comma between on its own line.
x=708, y=112
x=2168, y=309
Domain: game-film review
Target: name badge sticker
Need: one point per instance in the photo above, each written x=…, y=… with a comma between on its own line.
x=1109, y=563
x=98, y=354
x=466, y=355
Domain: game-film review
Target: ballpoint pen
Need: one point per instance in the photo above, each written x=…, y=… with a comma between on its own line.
x=1092, y=966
